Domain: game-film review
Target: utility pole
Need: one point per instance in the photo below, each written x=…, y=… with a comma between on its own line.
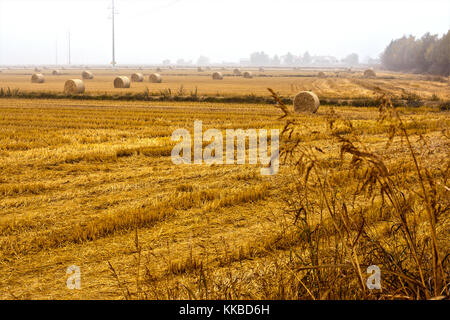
x=68, y=35
x=56, y=51
x=113, y=13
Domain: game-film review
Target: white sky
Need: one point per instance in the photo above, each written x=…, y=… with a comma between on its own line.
x=148, y=31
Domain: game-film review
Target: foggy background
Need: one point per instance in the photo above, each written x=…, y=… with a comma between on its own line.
x=148, y=32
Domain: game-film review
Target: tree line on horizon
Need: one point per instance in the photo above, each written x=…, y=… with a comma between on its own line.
x=428, y=54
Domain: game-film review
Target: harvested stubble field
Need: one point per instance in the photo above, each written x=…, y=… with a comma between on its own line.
x=347, y=85
x=91, y=183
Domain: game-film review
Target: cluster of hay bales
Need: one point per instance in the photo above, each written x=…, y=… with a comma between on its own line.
x=74, y=86
x=321, y=74
x=37, y=78
x=155, y=78
x=137, y=77
x=217, y=75
x=247, y=74
x=87, y=75
x=306, y=101
x=237, y=72
x=121, y=82
x=369, y=73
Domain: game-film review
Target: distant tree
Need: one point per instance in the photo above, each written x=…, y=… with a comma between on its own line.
x=298, y=60
x=259, y=58
x=307, y=58
x=289, y=59
x=428, y=54
x=203, y=61
x=275, y=60
x=439, y=56
x=352, y=59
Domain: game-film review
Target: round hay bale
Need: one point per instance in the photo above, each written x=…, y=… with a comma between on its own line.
x=158, y=69
x=56, y=72
x=237, y=72
x=155, y=78
x=121, y=82
x=137, y=77
x=261, y=69
x=87, y=75
x=37, y=69
x=217, y=75
x=369, y=73
x=306, y=101
x=74, y=86
x=37, y=78
x=321, y=74
x=200, y=69
x=247, y=74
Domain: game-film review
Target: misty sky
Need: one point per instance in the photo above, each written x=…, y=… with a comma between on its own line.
x=149, y=31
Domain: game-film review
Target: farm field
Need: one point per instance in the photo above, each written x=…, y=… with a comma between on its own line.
x=337, y=84
x=92, y=184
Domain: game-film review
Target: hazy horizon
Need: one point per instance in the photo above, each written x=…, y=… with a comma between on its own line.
x=148, y=32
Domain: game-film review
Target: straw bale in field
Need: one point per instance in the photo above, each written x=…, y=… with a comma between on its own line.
x=369, y=73
x=217, y=76
x=74, y=86
x=121, y=82
x=137, y=77
x=155, y=78
x=87, y=75
x=306, y=101
x=247, y=74
x=37, y=78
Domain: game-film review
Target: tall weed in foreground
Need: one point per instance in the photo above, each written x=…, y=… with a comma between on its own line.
x=367, y=209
